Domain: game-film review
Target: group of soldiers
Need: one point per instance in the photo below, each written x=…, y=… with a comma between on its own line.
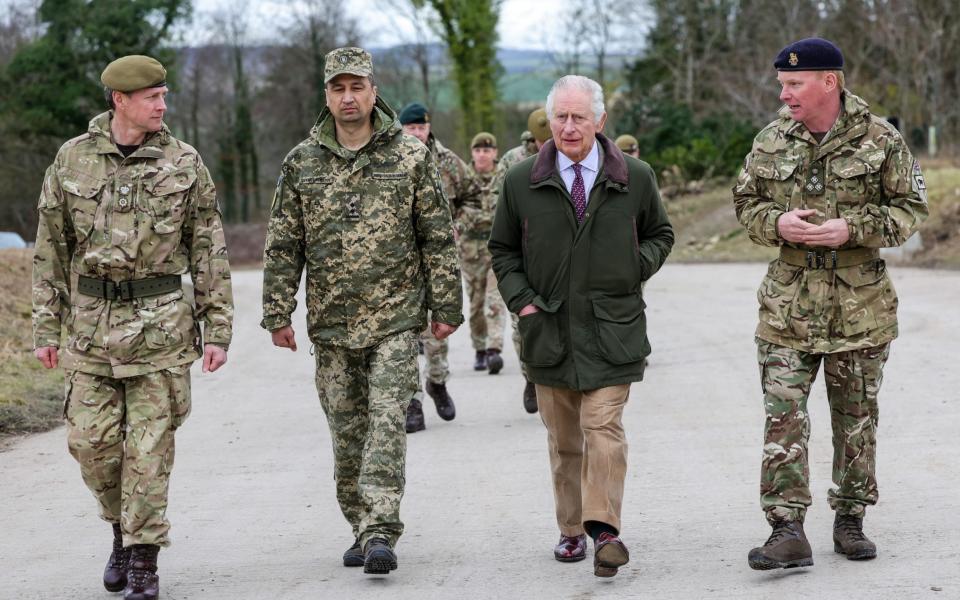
x=382, y=222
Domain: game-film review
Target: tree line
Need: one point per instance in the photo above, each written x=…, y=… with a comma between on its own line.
x=699, y=86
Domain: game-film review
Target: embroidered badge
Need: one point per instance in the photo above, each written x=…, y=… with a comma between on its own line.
x=794, y=61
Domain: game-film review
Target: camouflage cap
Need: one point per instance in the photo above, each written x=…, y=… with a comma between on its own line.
x=355, y=61
x=483, y=140
x=539, y=125
x=134, y=72
x=627, y=143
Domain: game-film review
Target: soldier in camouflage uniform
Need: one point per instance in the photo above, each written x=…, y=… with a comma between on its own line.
x=830, y=184
x=126, y=210
x=531, y=141
x=461, y=190
x=360, y=206
x=487, y=310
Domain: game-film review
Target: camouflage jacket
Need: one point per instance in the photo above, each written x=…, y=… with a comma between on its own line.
x=372, y=229
x=152, y=213
x=511, y=157
x=456, y=177
x=866, y=176
x=474, y=222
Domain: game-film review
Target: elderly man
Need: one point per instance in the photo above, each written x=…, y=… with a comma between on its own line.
x=829, y=183
x=530, y=143
x=360, y=205
x=126, y=211
x=577, y=230
x=460, y=190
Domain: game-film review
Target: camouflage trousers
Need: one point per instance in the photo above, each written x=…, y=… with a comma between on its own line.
x=487, y=310
x=364, y=393
x=436, y=351
x=853, y=382
x=121, y=432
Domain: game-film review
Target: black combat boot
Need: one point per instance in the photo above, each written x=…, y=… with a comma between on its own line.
x=494, y=361
x=480, y=363
x=415, y=417
x=353, y=557
x=787, y=547
x=445, y=407
x=379, y=558
x=530, y=397
x=115, y=573
x=848, y=538
x=142, y=580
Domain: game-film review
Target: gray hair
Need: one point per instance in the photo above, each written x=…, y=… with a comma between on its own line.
x=584, y=84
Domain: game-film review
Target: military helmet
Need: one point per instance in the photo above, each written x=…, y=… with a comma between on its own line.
x=539, y=125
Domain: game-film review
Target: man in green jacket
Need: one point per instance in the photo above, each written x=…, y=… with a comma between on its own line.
x=359, y=205
x=577, y=229
x=830, y=184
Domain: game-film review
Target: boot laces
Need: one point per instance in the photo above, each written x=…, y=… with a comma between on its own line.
x=780, y=530
x=120, y=555
x=851, y=528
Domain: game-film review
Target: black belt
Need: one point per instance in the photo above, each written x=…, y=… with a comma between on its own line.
x=827, y=259
x=129, y=289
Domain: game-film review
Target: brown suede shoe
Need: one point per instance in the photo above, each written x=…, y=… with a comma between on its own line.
x=786, y=548
x=571, y=548
x=609, y=554
x=848, y=538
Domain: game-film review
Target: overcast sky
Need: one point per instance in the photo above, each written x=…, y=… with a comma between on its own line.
x=523, y=23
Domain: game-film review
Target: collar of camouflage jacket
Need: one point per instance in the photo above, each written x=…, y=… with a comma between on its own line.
x=385, y=127
x=100, y=133
x=854, y=110
x=614, y=165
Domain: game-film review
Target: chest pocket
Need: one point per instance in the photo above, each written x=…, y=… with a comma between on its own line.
x=775, y=176
x=83, y=200
x=857, y=177
x=168, y=199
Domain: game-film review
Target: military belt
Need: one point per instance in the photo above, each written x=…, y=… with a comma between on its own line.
x=129, y=289
x=827, y=259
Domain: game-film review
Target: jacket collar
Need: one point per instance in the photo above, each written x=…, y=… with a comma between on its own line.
x=385, y=127
x=101, y=134
x=613, y=166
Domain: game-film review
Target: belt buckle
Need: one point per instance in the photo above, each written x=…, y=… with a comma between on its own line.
x=124, y=290
x=833, y=259
x=815, y=260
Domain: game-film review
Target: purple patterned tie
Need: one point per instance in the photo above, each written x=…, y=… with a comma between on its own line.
x=577, y=194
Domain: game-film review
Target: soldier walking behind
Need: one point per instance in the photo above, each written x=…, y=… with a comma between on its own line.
x=487, y=311
x=126, y=210
x=830, y=184
x=460, y=189
x=360, y=206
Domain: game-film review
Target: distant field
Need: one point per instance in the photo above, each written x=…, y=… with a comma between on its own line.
x=31, y=398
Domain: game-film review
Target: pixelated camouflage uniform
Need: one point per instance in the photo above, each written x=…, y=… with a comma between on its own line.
x=375, y=235
x=862, y=172
x=151, y=214
x=525, y=150
x=487, y=310
x=461, y=190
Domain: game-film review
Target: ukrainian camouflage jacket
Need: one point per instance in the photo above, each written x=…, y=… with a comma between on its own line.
x=372, y=229
x=862, y=172
x=150, y=214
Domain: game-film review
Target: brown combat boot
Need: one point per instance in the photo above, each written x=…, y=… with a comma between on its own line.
x=530, y=397
x=848, y=538
x=445, y=407
x=115, y=573
x=142, y=580
x=480, y=362
x=786, y=548
x=415, y=417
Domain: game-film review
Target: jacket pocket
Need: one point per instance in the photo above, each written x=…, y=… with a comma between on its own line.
x=168, y=199
x=621, y=328
x=778, y=293
x=166, y=320
x=857, y=177
x=83, y=203
x=541, y=344
x=867, y=298
x=178, y=382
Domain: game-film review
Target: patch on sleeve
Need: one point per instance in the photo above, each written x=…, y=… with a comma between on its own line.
x=277, y=196
x=919, y=185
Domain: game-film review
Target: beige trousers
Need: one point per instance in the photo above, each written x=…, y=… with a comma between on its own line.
x=588, y=453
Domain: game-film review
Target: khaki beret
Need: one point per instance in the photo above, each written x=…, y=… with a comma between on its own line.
x=627, y=143
x=539, y=125
x=355, y=61
x=134, y=72
x=483, y=140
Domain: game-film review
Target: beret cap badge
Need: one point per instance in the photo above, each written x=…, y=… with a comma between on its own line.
x=794, y=61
